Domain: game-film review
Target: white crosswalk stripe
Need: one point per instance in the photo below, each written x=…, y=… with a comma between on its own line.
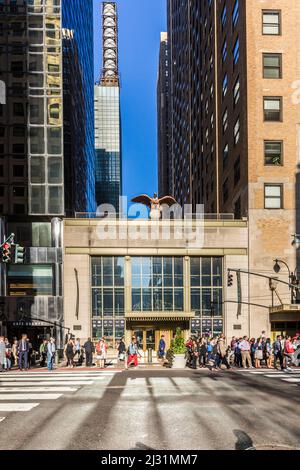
x=292, y=376
x=24, y=391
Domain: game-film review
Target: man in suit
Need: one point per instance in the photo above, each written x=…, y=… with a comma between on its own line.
x=23, y=351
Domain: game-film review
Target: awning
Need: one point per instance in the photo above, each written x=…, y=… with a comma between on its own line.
x=285, y=312
x=159, y=316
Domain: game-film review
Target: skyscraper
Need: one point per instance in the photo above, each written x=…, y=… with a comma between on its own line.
x=163, y=119
x=35, y=130
x=235, y=120
x=107, y=115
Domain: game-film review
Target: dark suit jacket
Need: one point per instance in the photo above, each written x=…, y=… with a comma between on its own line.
x=20, y=346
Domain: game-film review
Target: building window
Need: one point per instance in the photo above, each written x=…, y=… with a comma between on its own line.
x=225, y=86
x=237, y=209
x=237, y=171
x=108, y=304
x=225, y=121
x=18, y=171
x=273, y=152
x=224, y=16
x=236, y=91
x=30, y=280
x=272, y=67
x=236, y=51
x=225, y=190
x=236, y=132
x=206, y=281
x=225, y=155
x=273, y=109
x=18, y=109
x=157, y=284
x=235, y=13
x=273, y=196
x=18, y=191
x=224, y=51
x=272, y=22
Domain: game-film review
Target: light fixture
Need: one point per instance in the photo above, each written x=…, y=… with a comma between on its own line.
x=296, y=241
x=276, y=267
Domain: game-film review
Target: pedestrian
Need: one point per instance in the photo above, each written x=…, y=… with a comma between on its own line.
x=77, y=348
x=289, y=352
x=43, y=353
x=195, y=354
x=69, y=353
x=162, y=348
x=202, y=352
x=23, y=351
x=133, y=353
x=252, y=351
x=101, y=353
x=258, y=353
x=88, y=349
x=122, y=350
x=222, y=353
x=245, y=352
x=50, y=353
x=268, y=353
x=278, y=352
x=8, y=354
x=30, y=352
x=238, y=362
x=2, y=354
x=14, y=353
x=231, y=356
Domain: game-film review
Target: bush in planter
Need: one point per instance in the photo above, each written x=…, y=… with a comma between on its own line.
x=178, y=343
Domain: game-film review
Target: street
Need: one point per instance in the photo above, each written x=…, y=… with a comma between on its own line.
x=149, y=409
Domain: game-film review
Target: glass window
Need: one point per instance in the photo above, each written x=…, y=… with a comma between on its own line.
x=272, y=65
x=37, y=140
x=30, y=280
x=156, y=282
x=55, y=200
x=37, y=200
x=272, y=22
x=54, y=170
x=272, y=108
x=37, y=170
x=273, y=152
x=273, y=196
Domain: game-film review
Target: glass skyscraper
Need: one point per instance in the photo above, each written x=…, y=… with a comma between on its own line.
x=79, y=136
x=107, y=116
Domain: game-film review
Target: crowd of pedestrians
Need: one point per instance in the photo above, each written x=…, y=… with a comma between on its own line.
x=19, y=353
x=215, y=353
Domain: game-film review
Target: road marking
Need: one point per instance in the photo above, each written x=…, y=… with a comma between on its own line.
x=42, y=383
x=25, y=388
x=30, y=396
x=291, y=380
x=44, y=379
x=59, y=374
x=17, y=406
x=2, y=418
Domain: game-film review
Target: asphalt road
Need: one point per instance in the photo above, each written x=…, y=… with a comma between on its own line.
x=149, y=409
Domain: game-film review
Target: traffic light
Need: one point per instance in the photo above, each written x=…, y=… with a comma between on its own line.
x=6, y=253
x=19, y=254
x=230, y=279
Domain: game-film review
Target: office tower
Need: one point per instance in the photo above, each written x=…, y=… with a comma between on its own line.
x=35, y=132
x=107, y=115
x=235, y=120
x=163, y=119
x=78, y=87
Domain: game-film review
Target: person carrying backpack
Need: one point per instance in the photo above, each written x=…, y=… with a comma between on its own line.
x=133, y=353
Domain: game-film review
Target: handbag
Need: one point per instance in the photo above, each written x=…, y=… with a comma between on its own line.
x=122, y=356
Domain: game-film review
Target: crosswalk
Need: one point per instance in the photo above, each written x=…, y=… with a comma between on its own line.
x=292, y=377
x=24, y=391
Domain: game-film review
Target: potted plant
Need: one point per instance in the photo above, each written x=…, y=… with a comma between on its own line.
x=178, y=351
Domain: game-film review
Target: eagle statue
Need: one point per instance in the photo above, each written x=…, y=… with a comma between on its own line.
x=154, y=203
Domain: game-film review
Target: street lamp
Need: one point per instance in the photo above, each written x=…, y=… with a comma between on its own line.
x=296, y=241
x=292, y=275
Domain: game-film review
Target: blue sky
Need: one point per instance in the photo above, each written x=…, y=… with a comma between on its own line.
x=140, y=24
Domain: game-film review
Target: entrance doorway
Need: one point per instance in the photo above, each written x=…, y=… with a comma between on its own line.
x=148, y=338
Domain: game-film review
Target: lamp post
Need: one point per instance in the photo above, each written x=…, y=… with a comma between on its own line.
x=293, y=279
